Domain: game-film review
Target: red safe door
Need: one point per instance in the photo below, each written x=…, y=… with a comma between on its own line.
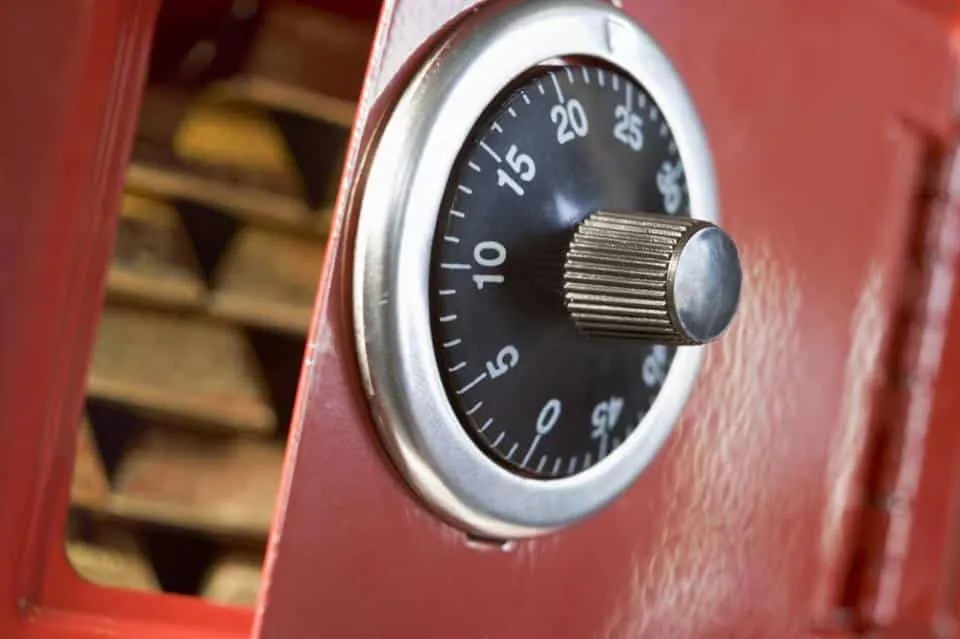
x=809, y=487
x=812, y=485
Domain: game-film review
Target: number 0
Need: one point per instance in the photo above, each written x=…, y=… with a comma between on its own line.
x=489, y=253
x=549, y=416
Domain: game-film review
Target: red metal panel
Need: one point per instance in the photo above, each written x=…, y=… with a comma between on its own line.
x=71, y=75
x=743, y=527
x=819, y=114
x=918, y=567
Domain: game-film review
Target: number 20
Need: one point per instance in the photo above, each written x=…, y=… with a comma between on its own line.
x=571, y=121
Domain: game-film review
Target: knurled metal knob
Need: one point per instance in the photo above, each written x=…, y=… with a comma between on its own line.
x=652, y=277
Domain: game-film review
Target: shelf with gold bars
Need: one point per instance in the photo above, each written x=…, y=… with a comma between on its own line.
x=184, y=479
x=230, y=156
x=210, y=291
x=268, y=280
x=234, y=579
x=263, y=197
x=152, y=258
x=189, y=480
x=188, y=367
x=281, y=71
x=264, y=278
x=113, y=558
x=113, y=554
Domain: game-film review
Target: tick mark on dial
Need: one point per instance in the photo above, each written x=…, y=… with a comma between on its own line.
x=543, y=461
x=540, y=88
x=465, y=189
x=570, y=78
x=460, y=366
x=496, y=127
x=513, y=449
x=586, y=75
x=512, y=113
x=499, y=438
x=600, y=77
x=474, y=408
x=451, y=239
x=572, y=466
x=616, y=82
x=456, y=213
x=474, y=166
x=447, y=291
x=588, y=460
x=486, y=425
x=663, y=130
x=556, y=466
x=654, y=114
x=490, y=152
x=446, y=319
x=526, y=99
x=533, y=447
x=556, y=85
x=480, y=378
x=455, y=266
x=452, y=343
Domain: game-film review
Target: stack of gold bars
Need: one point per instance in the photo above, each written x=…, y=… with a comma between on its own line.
x=210, y=290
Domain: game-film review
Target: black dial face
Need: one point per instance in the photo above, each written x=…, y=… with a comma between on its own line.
x=533, y=392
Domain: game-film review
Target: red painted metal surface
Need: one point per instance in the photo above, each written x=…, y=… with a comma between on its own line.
x=916, y=568
x=822, y=117
x=813, y=485
x=71, y=75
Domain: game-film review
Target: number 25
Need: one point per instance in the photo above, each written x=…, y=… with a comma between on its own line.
x=628, y=128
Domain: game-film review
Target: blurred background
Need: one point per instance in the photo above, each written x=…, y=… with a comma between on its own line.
x=218, y=251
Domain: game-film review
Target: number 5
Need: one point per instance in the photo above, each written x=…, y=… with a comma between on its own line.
x=507, y=358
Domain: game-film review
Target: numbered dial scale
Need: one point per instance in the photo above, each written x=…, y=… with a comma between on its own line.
x=531, y=388
x=529, y=324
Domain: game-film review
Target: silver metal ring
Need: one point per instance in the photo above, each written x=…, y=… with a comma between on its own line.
x=398, y=211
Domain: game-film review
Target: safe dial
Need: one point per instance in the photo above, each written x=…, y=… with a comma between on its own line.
x=538, y=263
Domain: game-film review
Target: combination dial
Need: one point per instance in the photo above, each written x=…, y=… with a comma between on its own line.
x=539, y=393
x=538, y=264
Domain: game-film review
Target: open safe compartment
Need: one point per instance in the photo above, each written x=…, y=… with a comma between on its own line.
x=219, y=245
